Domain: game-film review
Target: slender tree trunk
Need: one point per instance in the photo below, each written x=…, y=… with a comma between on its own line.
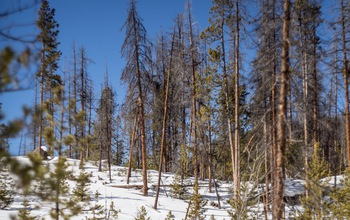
x=35, y=126
x=273, y=125
x=82, y=97
x=227, y=102
x=141, y=109
x=237, y=178
x=346, y=73
x=132, y=143
x=75, y=92
x=165, y=112
x=194, y=97
x=278, y=210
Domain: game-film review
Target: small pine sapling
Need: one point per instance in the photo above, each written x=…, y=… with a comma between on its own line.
x=97, y=210
x=6, y=188
x=81, y=191
x=170, y=216
x=340, y=197
x=314, y=204
x=24, y=213
x=113, y=212
x=197, y=205
x=177, y=189
x=142, y=214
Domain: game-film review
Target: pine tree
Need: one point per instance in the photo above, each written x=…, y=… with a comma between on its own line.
x=137, y=52
x=170, y=216
x=81, y=190
x=314, y=204
x=97, y=209
x=142, y=214
x=24, y=213
x=197, y=209
x=112, y=212
x=340, y=197
x=177, y=189
x=49, y=58
x=4, y=141
x=6, y=187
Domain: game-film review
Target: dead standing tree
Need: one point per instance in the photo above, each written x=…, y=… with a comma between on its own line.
x=137, y=52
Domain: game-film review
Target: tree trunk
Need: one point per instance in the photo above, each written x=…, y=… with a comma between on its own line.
x=165, y=112
x=141, y=112
x=194, y=97
x=132, y=143
x=237, y=178
x=346, y=73
x=278, y=209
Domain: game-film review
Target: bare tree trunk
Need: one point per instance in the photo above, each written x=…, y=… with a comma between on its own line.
x=278, y=209
x=132, y=143
x=141, y=109
x=41, y=110
x=194, y=97
x=237, y=178
x=75, y=92
x=165, y=112
x=346, y=73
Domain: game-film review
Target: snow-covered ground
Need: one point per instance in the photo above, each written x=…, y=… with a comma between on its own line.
x=129, y=200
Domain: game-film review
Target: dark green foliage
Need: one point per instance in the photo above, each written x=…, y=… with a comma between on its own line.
x=6, y=188
x=197, y=209
x=340, y=199
x=48, y=37
x=170, y=216
x=24, y=213
x=112, y=212
x=81, y=190
x=178, y=190
x=142, y=214
x=97, y=210
x=314, y=205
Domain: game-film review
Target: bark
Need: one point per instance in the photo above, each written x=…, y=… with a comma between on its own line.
x=194, y=96
x=346, y=81
x=278, y=209
x=132, y=143
x=165, y=112
x=141, y=109
x=237, y=179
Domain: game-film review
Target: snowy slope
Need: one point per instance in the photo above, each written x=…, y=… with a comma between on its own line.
x=129, y=200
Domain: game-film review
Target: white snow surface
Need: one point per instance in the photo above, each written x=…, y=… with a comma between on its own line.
x=130, y=200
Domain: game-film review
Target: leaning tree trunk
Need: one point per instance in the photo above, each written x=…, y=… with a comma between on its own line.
x=278, y=210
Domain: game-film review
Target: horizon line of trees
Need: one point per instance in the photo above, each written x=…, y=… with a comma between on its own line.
x=192, y=106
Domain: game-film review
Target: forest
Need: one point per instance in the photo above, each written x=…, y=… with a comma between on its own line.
x=194, y=108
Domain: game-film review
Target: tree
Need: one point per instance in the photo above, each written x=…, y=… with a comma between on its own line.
x=346, y=71
x=6, y=187
x=136, y=50
x=313, y=203
x=106, y=125
x=278, y=208
x=165, y=113
x=49, y=57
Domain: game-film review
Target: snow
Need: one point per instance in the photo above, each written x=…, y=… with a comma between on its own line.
x=129, y=200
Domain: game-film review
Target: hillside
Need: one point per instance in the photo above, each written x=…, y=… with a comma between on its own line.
x=129, y=199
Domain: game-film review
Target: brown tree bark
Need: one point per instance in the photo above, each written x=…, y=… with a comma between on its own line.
x=237, y=178
x=346, y=73
x=278, y=210
x=165, y=112
x=141, y=111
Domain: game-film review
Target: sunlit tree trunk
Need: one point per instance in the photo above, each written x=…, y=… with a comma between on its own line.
x=278, y=210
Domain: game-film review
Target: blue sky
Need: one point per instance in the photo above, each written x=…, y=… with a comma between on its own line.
x=96, y=25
